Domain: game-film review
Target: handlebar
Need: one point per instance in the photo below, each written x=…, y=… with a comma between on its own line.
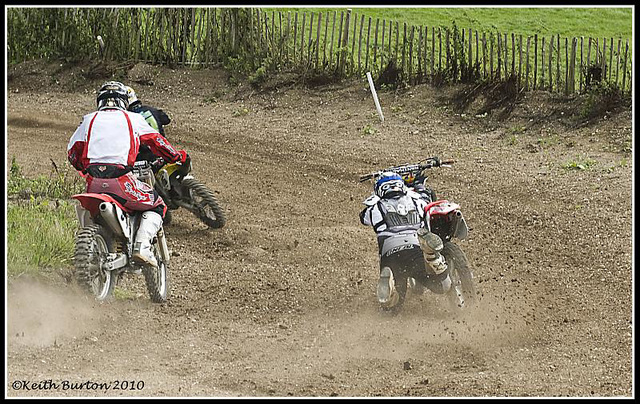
x=411, y=168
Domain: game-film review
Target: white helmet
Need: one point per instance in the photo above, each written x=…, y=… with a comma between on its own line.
x=112, y=94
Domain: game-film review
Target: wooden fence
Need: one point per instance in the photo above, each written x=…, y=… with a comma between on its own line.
x=337, y=42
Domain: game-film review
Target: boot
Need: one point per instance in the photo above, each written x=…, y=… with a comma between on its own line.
x=431, y=245
x=387, y=295
x=150, y=223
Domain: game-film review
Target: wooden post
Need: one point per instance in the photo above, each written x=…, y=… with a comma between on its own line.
x=566, y=66
x=295, y=36
x=558, y=64
x=491, y=57
x=419, y=55
x=287, y=38
x=550, y=61
x=397, y=35
x=618, y=62
x=338, y=46
x=581, y=64
x=345, y=38
x=360, y=45
x=318, y=38
x=477, y=52
x=610, y=58
x=448, y=47
x=624, y=66
x=519, y=59
x=426, y=46
x=333, y=28
x=310, y=40
x=484, y=55
x=353, y=42
x=506, y=56
x=572, y=67
x=527, y=63
x=433, y=49
x=589, y=54
x=382, y=54
x=404, y=49
x=324, y=41
x=535, y=60
x=513, y=53
x=542, y=65
x=304, y=18
x=375, y=43
x=410, y=69
x=366, y=63
x=470, y=55
x=281, y=46
x=499, y=53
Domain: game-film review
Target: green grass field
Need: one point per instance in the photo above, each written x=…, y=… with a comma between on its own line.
x=592, y=22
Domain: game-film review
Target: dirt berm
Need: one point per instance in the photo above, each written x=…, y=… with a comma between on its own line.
x=281, y=301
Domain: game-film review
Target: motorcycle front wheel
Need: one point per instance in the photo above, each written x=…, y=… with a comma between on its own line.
x=463, y=291
x=92, y=245
x=204, y=204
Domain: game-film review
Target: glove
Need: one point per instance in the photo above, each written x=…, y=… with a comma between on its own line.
x=184, y=157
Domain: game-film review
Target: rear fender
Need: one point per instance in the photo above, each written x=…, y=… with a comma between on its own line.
x=115, y=215
x=447, y=208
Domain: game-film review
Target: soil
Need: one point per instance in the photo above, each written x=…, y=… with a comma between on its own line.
x=281, y=301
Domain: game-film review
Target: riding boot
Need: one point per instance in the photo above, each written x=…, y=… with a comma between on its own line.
x=431, y=245
x=150, y=223
x=387, y=295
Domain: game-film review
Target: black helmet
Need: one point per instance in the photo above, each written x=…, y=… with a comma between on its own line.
x=112, y=94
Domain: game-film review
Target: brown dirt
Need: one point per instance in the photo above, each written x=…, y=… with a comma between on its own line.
x=281, y=301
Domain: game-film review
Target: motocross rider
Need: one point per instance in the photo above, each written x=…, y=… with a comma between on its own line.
x=396, y=214
x=105, y=146
x=155, y=117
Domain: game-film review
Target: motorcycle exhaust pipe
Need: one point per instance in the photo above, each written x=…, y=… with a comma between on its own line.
x=107, y=212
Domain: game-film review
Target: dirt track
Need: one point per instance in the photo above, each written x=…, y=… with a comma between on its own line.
x=281, y=301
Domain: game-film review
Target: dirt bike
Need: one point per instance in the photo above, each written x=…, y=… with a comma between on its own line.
x=104, y=244
x=445, y=219
x=178, y=188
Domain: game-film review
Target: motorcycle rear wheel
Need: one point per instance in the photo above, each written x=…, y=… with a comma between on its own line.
x=463, y=291
x=156, y=279
x=205, y=205
x=92, y=245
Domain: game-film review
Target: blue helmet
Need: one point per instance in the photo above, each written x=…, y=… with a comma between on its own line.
x=389, y=183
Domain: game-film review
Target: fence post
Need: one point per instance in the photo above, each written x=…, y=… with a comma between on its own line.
x=333, y=28
x=484, y=55
x=610, y=58
x=550, y=63
x=542, y=65
x=353, y=42
x=519, y=60
x=558, y=64
x=581, y=63
x=375, y=44
x=411, y=53
x=618, y=62
x=360, y=45
x=345, y=38
x=574, y=43
x=624, y=65
x=527, y=59
x=366, y=63
x=566, y=65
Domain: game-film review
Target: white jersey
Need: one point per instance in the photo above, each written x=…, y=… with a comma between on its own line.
x=110, y=136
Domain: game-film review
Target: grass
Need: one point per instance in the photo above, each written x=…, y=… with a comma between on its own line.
x=41, y=220
x=596, y=22
x=40, y=234
x=580, y=163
